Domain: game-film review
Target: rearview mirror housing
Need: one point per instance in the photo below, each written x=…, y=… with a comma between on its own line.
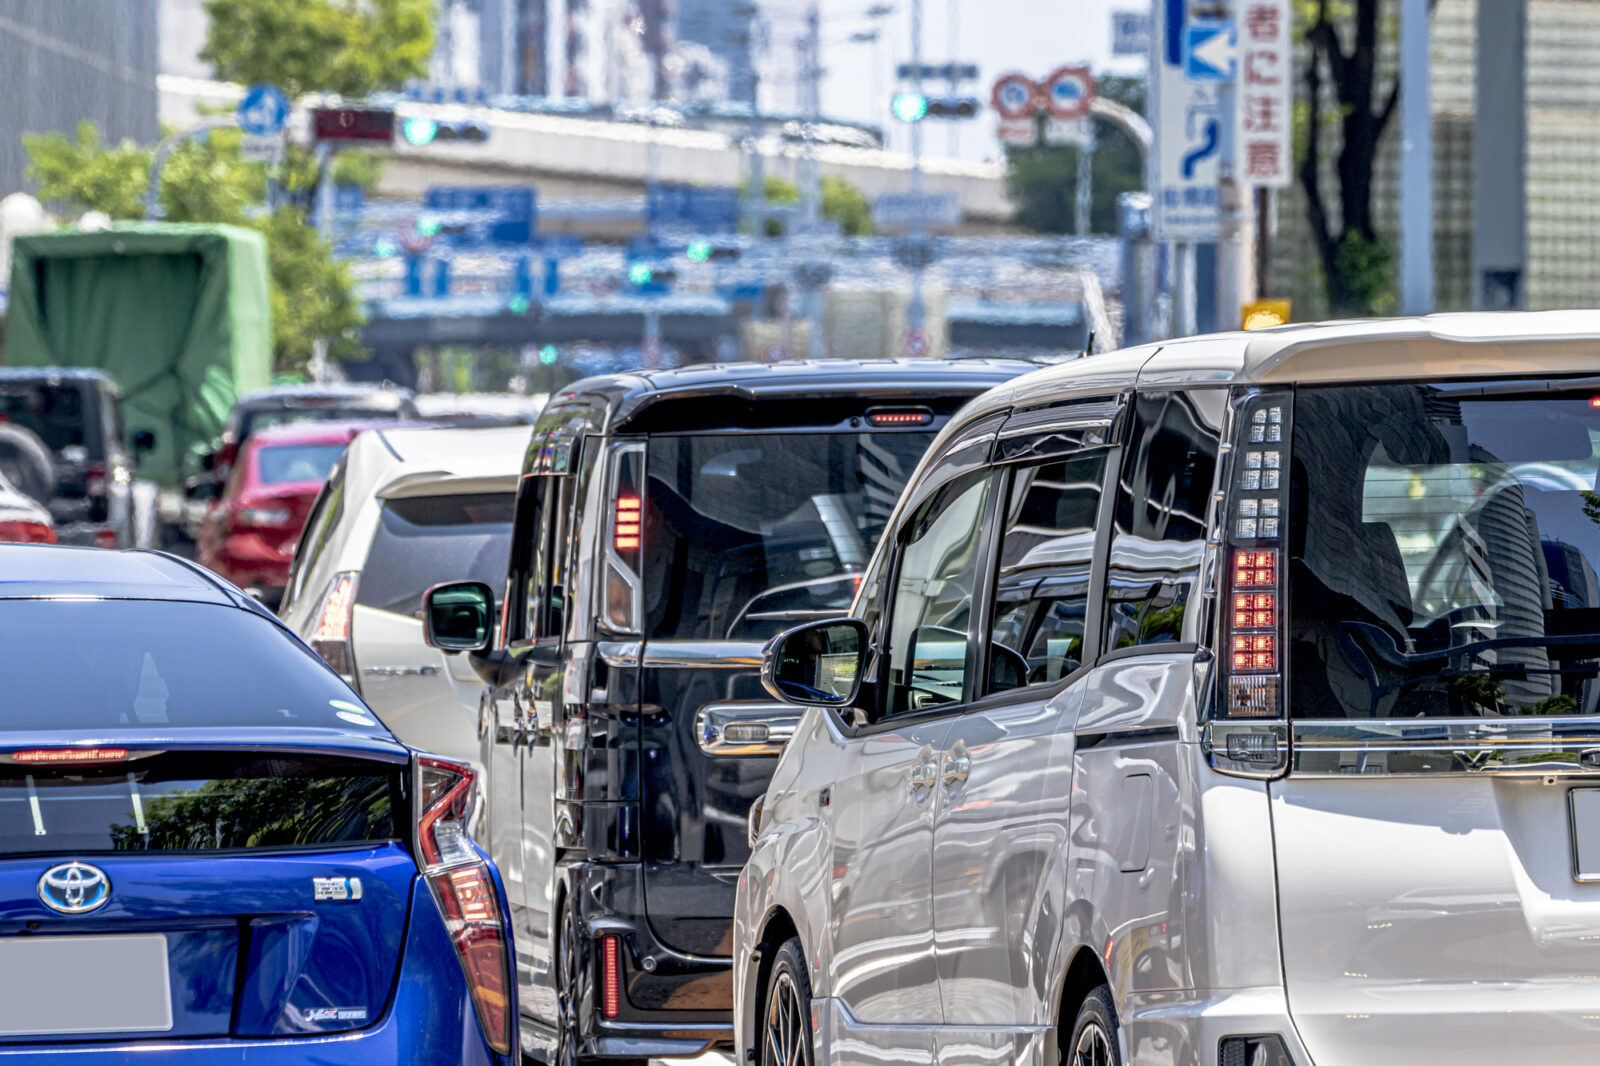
x=818, y=664
x=458, y=616
x=142, y=441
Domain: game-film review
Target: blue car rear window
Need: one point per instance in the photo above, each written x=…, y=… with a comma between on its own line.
x=127, y=664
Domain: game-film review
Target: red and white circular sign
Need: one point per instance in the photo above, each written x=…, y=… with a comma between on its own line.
x=916, y=343
x=1069, y=91
x=1014, y=96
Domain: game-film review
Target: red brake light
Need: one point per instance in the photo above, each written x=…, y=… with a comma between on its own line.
x=909, y=417
x=627, y=525
x=611, y=976
x=95, y=480
x=1255, y=569
x=69, y=755
x=464, y=889
x=331, y=639
x=27, y=533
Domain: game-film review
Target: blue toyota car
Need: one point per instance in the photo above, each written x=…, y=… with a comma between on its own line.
x=210, y=849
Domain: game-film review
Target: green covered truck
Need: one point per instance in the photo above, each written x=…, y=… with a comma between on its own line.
x=177, y=314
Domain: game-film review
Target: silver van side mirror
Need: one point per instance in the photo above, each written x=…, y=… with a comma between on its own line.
x=818, y=664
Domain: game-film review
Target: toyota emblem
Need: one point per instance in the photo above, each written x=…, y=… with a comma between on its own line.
x=74, y=888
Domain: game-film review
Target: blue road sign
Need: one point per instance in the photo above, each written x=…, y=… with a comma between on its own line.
x=708, y=208
x=1209, y=52
x=509, y=213
x=263, y=111
x=1130, y=33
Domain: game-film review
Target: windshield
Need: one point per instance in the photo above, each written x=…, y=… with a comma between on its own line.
x=141, y=664
x=747, y=534
x=255, y=421
x=297, y=462
x=1474, y=510
x=54, y=412
x=423, y=541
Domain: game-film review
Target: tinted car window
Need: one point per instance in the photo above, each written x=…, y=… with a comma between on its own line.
x=56, y=413
x=121, y=664
x=424, y=540
x=1159, y=527
x=1042, y=585
x=931, y=611
x=255, y=421
x=746, y=534
x=1443, y=547
x=194, y=801
x=296, y=462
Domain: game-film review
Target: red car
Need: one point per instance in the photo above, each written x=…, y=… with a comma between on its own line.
x=249, y=533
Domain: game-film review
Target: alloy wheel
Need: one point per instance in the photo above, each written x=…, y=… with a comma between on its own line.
x=786, y=1029
x=1094, y=1046
x=567, y=981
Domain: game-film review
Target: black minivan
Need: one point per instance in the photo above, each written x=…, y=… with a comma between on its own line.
x=667, y=524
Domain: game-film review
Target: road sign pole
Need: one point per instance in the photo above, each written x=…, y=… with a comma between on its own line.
x=1416, y=161
x=914, y=311
x=1235, y=263
x=152, y=198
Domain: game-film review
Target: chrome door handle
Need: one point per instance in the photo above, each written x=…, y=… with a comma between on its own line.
x=924, y=774
x=957, y=768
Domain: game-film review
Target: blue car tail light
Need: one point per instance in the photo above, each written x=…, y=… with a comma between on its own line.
x=464, y=890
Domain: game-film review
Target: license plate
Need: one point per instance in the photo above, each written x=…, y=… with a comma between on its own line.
x=63, y=985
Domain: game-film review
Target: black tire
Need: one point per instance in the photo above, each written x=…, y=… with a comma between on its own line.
x=571, y=960
x=783, y=1033
x=1094, y=1035
x=26, y=463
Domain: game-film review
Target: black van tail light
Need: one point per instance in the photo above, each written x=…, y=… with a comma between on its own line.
x=463, y=888
x=623, y=603
x=610, y=976
x=331, y=639
x=626, y=524
x=899, y=416
x=1245, y=735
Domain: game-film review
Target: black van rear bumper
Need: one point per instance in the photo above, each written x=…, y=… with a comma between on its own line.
x=672, y=1004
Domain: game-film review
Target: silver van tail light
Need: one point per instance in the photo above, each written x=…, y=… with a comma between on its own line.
x=1248, y=732
x=463, y=887
x=331, y=638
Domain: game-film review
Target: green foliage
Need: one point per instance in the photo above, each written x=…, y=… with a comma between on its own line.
x=846, y=205
x=357, y=166
x=208, y=181
x=1366, y=270
x=349, y=47
x=1043, y=181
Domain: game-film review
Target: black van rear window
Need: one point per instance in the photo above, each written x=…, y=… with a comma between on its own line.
x=747, y=534
x=1444, y=541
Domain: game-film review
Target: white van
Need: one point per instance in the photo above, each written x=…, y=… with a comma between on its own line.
x=1228, y=702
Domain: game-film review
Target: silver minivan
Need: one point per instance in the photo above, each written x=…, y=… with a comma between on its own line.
x=1228, y=702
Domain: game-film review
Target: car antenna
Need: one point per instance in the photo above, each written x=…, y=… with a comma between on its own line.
x=1088, y=344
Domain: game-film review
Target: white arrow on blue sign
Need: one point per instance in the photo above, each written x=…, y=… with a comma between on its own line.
x=1209, y=52
x=263, y=111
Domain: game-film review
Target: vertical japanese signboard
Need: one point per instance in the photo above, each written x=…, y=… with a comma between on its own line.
x=1188, y=127
x=1264, y=95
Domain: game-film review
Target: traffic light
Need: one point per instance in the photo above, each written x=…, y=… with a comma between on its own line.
x=548, y=355
x=640, y=273
x=703, y=251
x=909, y=107
x=914, y=107
x=422, y=131
x=698, y=251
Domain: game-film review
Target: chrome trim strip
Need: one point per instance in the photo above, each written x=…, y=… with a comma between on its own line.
x=1530, y=747
x=703, y=654
x=711, y=724
x=619, y=654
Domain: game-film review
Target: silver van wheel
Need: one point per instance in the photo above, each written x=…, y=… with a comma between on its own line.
x=786, y=1026
x=1094, y=1046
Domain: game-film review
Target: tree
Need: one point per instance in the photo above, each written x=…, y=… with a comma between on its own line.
x=208, y=181
x=339, y=46
x=1342, y=90
x=1043, y=180
x=841, y=201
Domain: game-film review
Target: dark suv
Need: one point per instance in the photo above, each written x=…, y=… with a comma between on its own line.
x=328, y=402
x=667, y=524
x=61, y=442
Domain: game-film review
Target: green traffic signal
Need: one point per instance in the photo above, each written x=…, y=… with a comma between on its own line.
x=518, y=304
x=640, y=273
x=419, y=131
x=548, y=355
x=699, y=251
x=909, y=107
x=429, y=225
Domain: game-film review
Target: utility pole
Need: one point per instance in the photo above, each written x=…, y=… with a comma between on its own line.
x=816, y=345
x=952, y=21
x=1416, y=161
x=1499, y=158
